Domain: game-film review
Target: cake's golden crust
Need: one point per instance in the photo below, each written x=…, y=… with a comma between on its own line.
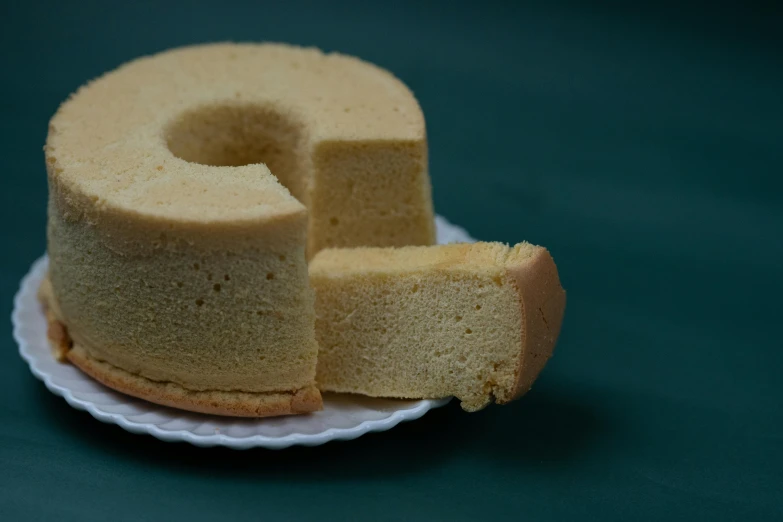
x=216, y=402
x=234, y=404
x=542, y=300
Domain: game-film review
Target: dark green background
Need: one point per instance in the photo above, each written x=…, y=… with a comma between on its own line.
x=642, y=144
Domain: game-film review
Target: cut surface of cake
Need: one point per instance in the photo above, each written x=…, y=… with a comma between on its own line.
x=476, y=321
x=186, y=192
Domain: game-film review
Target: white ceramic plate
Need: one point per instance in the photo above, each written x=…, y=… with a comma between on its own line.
x=344, y=417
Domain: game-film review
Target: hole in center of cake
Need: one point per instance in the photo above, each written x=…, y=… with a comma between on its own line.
x=235, y=134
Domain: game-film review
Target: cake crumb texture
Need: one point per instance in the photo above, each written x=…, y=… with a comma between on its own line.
x=477, y=321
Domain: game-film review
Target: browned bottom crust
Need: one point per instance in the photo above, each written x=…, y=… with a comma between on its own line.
x=216, y=402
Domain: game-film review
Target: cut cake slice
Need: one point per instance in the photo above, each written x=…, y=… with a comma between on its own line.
x=474, y=321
